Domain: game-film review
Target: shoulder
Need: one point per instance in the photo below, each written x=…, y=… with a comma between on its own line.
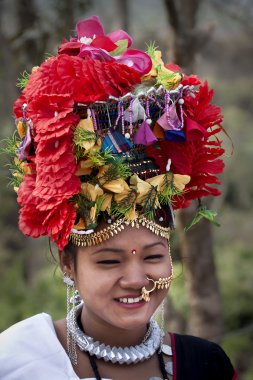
x=26, y=331
x=208, y=357
x=29, y=346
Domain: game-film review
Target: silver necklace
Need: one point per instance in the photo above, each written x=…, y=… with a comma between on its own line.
x=121, y=355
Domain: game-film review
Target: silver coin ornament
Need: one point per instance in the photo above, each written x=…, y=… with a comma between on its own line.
x=169, y=368
x=166, y=350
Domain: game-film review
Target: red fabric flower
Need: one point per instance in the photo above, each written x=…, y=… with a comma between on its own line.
x=30, y=219
x=201, y=109
x=52, y=115
x=54, y=219
x=59, y=223
x=81, y=80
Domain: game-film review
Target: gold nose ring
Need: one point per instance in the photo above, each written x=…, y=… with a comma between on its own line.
x=161, y=283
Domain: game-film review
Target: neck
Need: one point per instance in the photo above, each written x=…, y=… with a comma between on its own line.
x=111, y=335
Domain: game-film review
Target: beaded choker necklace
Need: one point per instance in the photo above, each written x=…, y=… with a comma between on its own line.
x=120, y=355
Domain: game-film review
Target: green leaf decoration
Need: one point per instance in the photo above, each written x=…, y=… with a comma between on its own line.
x=22, y=81
x=118, y=169
x=99, y=202
x=122, y=46
x=149, y=202
x=10, y=147
x=151, y=49
x=122, y=208
x=203, y=212
x=99, y=158
x=166, y=79
x=169, y=190
x=80, y=136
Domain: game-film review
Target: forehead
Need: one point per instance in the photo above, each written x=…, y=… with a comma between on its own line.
x=128, y=239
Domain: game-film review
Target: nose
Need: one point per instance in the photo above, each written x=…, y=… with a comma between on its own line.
x=133, y=277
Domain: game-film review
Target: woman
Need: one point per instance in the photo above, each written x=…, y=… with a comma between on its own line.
x=109, y=138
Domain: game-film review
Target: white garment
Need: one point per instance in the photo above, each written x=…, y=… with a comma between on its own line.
x=30, y=350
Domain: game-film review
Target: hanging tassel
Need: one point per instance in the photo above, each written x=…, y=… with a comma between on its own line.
x=24, y=147
x=135, y=112
x=170, y=120
x=171, y=124
x=144, y=135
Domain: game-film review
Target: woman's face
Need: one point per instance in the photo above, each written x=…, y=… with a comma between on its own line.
x=117, y=269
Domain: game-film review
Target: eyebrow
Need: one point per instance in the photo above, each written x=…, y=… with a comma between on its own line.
x=110, y=250
x=121, y=250
x=154, y=244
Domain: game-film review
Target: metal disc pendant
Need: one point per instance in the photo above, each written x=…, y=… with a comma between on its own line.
x=166, y=350
x=169, y=368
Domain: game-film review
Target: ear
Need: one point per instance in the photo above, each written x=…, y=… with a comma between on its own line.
x=66, y=262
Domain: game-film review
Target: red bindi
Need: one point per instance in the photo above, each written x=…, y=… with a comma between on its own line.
x=133, y=251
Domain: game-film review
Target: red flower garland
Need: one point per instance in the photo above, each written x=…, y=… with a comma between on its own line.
x=50, y=95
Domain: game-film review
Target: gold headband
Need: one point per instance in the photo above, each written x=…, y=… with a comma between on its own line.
x=95, y=238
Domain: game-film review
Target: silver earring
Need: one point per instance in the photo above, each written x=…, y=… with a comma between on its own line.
x=162, y=323
x=159, y=317
x=71, y=346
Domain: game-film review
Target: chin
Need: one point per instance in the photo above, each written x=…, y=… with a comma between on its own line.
x=133, y=321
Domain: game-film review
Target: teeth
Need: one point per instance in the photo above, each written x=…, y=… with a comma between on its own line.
x=130, y=300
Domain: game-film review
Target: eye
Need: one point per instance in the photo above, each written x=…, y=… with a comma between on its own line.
x=108, y=262
x=153, y=257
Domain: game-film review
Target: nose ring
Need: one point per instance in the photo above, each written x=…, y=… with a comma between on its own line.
x=163, y=282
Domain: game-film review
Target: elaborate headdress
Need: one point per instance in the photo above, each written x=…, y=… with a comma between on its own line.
x=110, y=133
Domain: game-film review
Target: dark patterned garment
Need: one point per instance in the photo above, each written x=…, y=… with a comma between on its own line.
x=198, y=359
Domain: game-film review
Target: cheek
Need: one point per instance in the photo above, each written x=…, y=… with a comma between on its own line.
x=164, y=269
x=93, y=285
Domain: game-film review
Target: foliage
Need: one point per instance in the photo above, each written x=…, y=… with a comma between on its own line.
x=151, y=49
x=119, y=169
x=203, y=212
x=19, y=300
x=23, y=79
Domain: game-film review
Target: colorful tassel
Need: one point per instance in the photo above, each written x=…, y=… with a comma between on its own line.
x=144, y=135
x=170, y=120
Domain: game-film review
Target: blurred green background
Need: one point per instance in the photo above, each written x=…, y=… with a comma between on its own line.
x=223, y=54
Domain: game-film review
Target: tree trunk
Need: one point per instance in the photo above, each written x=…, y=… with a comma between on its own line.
x=123, y=14
x=201, y=282
x=196, y=246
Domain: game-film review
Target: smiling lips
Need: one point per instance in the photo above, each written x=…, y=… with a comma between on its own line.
x=130, y=300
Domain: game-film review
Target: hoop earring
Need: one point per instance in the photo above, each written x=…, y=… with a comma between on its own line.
x=70, y=288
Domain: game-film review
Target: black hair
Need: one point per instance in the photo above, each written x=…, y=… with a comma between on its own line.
x=71, y=250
